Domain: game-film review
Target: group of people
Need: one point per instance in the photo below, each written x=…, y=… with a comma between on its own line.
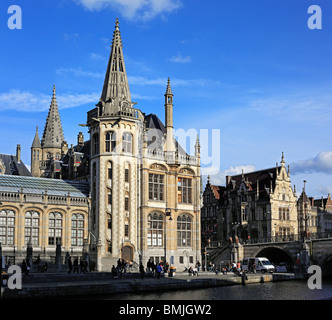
x=81, y=267
x=153, y=268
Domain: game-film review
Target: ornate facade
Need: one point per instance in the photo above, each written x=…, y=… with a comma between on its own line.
x=143, y=197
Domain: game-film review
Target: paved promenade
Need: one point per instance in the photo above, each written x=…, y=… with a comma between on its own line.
x=63, y=285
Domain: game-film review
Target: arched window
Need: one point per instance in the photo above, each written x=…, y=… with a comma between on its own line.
x=127, y=142
x=110, y=141
x=7, y=227
x=95, y=145
x=55, y=228
x=184, y=227
x=77, y=229
x=32, y=227
x=155, y=230
x=57, y=156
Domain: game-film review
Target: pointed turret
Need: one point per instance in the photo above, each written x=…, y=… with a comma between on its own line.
x=36, y=154
x=170, y=146
x=53, y=133
x=115, y=92
x=36, y=140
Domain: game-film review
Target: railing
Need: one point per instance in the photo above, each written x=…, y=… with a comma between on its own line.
x=274, y=239
x=22, y=197
x=171, y=157
x=115, y=111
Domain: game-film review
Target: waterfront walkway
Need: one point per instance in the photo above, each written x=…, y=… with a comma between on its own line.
x=63, y=285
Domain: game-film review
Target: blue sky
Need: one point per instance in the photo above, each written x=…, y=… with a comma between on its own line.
x=252, y=69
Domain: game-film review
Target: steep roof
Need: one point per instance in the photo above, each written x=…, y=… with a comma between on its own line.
x=12, y=166
x=264, y=178
x=39, y=185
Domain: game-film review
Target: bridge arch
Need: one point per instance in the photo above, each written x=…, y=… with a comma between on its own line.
x=276, y=255
x=327, y=267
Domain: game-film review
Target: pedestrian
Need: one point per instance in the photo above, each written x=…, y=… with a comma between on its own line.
x=158, y=270
x=76, y=266
x=81, y=265
x=70, y=265
x=114, y=272
x=24, y=267
x=141, y=269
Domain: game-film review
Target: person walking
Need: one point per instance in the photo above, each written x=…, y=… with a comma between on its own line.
x=76, y=266
x=70, y=265
x=158, y=270
x=141, y=269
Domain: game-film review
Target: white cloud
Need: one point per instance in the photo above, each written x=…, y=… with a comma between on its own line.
x=322, y=162
x=220, y=178
x=39, y=102
x=134, y=9
x=180, y=59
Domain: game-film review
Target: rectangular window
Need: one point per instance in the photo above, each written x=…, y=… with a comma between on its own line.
x=126, y=175
x=126, y=230
x=156, y=187
x=126, y=204
x=184, y=190
x=181, y=259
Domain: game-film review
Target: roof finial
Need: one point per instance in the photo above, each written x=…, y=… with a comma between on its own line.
x=117, y=24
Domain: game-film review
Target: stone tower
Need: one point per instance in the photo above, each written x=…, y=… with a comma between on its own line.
x=145, y=189
x=115, y=128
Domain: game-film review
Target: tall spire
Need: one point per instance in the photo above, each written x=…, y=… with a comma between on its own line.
x=53, y=133
x=116, y=88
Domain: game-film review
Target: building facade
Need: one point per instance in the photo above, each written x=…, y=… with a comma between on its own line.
x=130, y=191
x=256, y=206
x=145, y=189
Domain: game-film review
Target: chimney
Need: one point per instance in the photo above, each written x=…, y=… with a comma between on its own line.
x=80, y=139
x=18, y=153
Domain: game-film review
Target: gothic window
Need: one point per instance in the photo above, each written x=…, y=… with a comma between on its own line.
x=110, y=141
x=127, y=142
x=32, y=227
x=7, y=227
x=57, y=156
x=77, y=229
x=156, y=187
x=109, y=196
x=55, y=228
x=126, y=175
x=184, y=190
x=95, y=144
x=184, y=226
x=48, y=155
x=126, y=203
x=155, y=233
x=110, y=170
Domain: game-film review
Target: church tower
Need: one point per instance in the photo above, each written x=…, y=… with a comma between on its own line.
x=115, y=131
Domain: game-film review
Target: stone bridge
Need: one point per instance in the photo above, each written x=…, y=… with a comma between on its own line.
x=310, y=251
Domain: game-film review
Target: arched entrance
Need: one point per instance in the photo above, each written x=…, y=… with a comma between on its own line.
x=277, y=256
x=327, y=267
x=127, y=253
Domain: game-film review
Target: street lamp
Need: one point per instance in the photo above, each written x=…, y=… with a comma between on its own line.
x=305, y=211
x=168, y=213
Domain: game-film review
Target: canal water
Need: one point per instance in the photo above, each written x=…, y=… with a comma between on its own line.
x=286, y=290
